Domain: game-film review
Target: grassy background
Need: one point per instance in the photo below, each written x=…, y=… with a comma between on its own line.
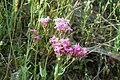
x=95, y=24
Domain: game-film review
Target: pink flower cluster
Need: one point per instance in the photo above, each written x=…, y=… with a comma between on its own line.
x=34, y=35
x=62, y=24
x=34, y=31
x=44, y=21
x=79, y=51
x=63, y=46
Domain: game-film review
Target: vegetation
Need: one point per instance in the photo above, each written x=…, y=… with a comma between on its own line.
x=59, y=39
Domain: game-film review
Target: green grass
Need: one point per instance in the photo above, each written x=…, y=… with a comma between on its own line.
x=95, y=24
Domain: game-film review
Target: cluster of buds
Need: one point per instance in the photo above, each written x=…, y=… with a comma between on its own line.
x=62, y=25
x=62, y=46
x=34, y=35
x=44, y=21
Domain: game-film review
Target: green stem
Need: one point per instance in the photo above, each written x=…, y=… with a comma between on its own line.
x=35, y=63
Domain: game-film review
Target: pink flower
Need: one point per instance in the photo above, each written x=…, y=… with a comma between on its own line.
x=33, y=30
x=61, y=45
x=69, y=50
x=59, y=21
x=76, y=49
x=37, y=37
x=68, y=28
x=65, y=42
x=57, y=48
x=53, y=39
x=44, y=21
x=84, y=51
x=62, y=24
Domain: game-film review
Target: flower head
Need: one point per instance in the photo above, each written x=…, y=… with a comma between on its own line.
x=61, y=45
x=33, y=30
x=76, y=49
x=44, y=21
x=65, y=42
x=53, y=39
x=69, y=50
x=62, y=24
x=37, y=37
x=34, y=35
x=84, y=51
x=57, y=48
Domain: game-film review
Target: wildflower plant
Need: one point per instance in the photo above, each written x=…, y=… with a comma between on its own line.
x=34, y=46
x=61, y=45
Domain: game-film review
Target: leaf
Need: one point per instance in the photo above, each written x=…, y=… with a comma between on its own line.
x=62, y=70
x=59, y=70
x=41, y=71
x=56, y=70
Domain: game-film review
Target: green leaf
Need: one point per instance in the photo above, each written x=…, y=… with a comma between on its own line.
x=56, y=70
x=61, y=71
x=41, y=71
